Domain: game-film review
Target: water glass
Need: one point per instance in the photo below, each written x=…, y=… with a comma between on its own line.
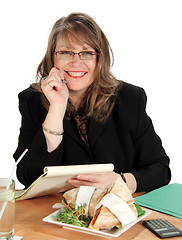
x=7, y=209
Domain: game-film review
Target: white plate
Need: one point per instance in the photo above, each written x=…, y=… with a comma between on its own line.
x=115, y=232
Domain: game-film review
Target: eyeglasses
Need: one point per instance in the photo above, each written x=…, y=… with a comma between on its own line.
x=84, y=55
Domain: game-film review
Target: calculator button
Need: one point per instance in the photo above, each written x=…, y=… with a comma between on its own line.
x=161, y=229
x=170, y=233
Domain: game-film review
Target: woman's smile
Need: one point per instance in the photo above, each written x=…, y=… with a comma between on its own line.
x=76, y=74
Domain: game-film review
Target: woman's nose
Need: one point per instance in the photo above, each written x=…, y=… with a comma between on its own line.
x=76, y=59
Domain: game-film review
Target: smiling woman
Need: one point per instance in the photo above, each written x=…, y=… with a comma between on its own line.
x=79, y=113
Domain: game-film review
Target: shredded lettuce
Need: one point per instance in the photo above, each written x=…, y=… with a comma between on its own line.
x=76, y=217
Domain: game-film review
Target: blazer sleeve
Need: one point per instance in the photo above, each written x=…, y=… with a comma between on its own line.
x=31, y=137
x=152, y=164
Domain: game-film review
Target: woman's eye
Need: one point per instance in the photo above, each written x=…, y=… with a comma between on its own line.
x=68, y=53
x=87, y=53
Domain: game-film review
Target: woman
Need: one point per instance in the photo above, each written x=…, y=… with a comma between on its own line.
x=78, y=113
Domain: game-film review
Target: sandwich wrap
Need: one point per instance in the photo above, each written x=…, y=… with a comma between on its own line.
x=106, y=207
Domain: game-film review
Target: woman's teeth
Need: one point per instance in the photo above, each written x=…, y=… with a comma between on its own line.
x=76, y=74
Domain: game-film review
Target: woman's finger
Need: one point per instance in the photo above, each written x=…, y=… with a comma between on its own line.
x=55, y=72
x=55, y=85
x=77, y=183
x=97, y=180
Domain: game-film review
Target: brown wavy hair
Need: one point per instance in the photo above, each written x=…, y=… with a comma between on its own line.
x=81, y=28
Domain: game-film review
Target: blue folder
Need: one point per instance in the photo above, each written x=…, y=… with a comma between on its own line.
x=167, y=199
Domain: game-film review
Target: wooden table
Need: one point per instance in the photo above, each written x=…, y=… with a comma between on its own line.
x=29, y=224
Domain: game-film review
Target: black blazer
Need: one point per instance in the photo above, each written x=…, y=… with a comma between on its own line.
x=127, y=140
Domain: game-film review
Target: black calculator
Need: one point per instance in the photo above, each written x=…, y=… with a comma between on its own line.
x=162, y=228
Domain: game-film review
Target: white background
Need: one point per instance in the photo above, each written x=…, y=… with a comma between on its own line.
x=146, y=38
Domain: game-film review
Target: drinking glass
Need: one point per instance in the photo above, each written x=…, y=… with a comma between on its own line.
x=7, y=209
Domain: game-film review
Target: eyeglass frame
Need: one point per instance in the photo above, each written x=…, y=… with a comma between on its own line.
x=79, y=54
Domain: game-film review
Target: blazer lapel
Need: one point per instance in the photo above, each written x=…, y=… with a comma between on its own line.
x=94, y=130
x=70, y=130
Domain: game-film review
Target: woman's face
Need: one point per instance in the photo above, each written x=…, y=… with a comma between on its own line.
x=78, y=73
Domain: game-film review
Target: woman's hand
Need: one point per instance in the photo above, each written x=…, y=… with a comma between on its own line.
x=105, y=180
x=55, y=88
